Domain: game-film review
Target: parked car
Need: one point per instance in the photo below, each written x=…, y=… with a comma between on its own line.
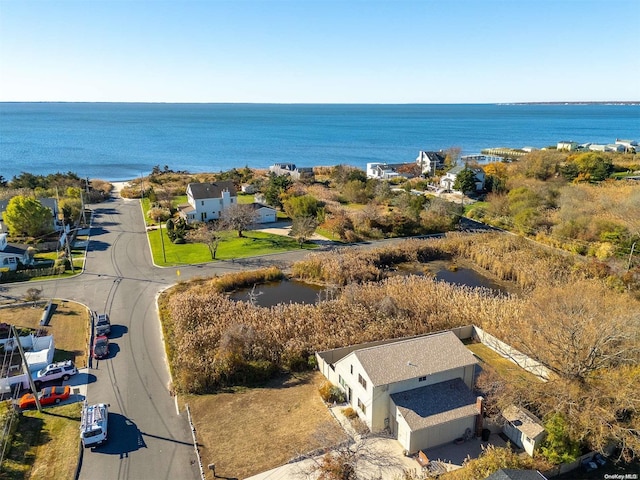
x=47, y=396
x=54, y=371
x=599, y=459
x=100, y=347
x=102, y=324
x=589, y=465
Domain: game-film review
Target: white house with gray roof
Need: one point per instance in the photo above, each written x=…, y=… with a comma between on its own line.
x=418, y=388
x=449, y=179
x=207, y=201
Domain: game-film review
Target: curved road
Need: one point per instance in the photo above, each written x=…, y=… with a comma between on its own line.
x=148, y=439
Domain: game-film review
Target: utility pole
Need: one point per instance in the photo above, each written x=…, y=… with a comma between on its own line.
x=25, y=365
x=164, y=255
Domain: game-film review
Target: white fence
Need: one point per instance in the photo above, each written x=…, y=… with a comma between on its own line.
x=510, y=353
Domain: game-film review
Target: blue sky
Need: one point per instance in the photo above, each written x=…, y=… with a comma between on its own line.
x=330, y=51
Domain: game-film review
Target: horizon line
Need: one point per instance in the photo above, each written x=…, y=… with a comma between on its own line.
x=546, y=102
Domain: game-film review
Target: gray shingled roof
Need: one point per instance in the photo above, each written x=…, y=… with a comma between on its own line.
x=258, y=206
x=523, y=420
x=201, y=191
x=436, y=404
x=413, y=358
x=511, y=474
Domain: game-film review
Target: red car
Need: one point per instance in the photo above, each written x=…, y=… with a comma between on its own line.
x=100, y=347
x=47, y=396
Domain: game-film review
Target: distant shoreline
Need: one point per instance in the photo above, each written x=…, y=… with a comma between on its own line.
x=574, y=103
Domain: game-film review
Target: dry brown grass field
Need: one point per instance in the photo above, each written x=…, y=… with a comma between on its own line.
x=257, y=429
x=69, y=326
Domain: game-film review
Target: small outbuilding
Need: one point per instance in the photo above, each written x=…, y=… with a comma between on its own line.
x=264, y=213
x=523, y=428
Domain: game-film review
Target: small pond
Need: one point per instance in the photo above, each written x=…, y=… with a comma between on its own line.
x=458, y=275
x=287, y=291
x=292, y=291
x=467, y=277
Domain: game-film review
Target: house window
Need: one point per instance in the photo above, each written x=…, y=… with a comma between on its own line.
x=362, y=406
x=362, y=381
x=351, y=369
x=341, y=381
x=422, y=379
x=202, y=202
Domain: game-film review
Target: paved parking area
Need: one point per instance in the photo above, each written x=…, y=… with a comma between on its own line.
x=453, y=456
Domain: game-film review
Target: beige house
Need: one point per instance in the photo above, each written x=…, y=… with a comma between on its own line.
x=417, y=388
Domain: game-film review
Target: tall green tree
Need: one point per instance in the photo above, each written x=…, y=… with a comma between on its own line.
x=301, y=206
x=558, y=447
x=27, y=216
x=465, y=181
x=276, y=185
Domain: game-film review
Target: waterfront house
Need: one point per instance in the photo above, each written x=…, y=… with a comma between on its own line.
x=629, y=145
x=418, y=388
x=296, y=173
x=387, y=171
x=567, y=145
x=429, y=162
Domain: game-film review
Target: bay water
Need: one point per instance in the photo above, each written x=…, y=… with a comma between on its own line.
x=120, y=141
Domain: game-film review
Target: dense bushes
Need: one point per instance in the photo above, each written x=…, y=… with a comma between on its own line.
x=331, y=393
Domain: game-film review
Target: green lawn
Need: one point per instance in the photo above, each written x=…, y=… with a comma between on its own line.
x=44, y=445
x=504, y=367
x=245, y=198
x=253, y=243
x=328, y=234
x=179, y=200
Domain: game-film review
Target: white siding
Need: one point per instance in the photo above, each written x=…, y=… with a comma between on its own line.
x=349, y=368
x=440, y=434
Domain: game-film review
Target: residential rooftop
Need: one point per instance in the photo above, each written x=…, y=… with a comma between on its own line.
x=523, y=420
x=211, y=190
x=414, y=357
x=436, y=404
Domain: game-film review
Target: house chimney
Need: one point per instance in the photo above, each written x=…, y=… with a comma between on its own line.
x=480, y=416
